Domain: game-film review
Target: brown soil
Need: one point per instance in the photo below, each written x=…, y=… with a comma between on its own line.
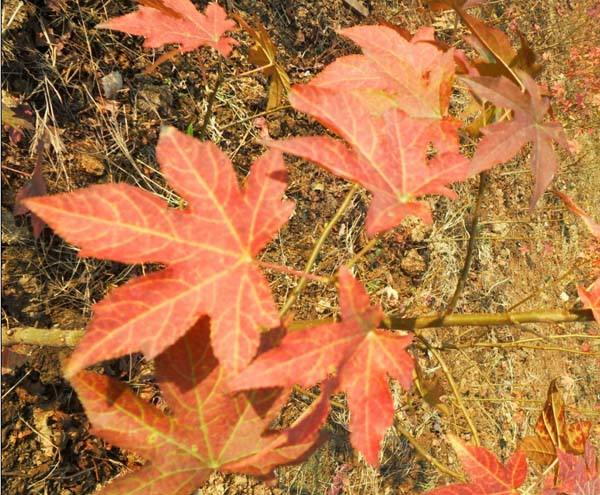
x=54, y=60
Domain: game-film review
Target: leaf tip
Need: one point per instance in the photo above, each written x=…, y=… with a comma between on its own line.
x=31, y=204
x=167, y=130
x=27, y=202
x=72, y=368
x=103, y=25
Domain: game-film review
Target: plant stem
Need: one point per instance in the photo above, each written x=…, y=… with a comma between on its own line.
x=57, y=337
x=491, y=319
x=472, y=230
x=210, y=102
x=453, y=386
x=162, y=59
x=49, y=337
x=317, y=249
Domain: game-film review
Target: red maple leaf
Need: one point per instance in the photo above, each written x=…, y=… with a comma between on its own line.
x=503, y=140
x=208, y=248
x=577, y=474
x=390, y=104
x=416, y=75
x=413, y=75
x=361, y=355
x=177, y=21
x=206, y=429
x=388, y=154
x=487, y=474
x=591, y=295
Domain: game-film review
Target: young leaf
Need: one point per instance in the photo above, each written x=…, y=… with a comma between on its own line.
x=207, y=428
x=362, y=356
x=36, y=186
x=208, y=248
x=553, y=433
x=177, y=21
x=577, y=474
x=388, y=153
x=591, y=295
x=487, y=475
x=264, y=54
x=415, y=76
x=503, y=140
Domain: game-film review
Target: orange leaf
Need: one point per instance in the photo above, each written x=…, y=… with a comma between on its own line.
x=36, y=186
x=388, y=154
x=16, y=118
x=498, y=57
x=590, y=223
x=431, y=390
x=208, y=247
x=487, y=475
x=438, y=5
x=206, y=429
x=591, y=298
x=577, y=475
x=390, y=105
x=361, y=355
x=416, y=74
x=503, y=140
x=177, y=21
x=553, y=433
